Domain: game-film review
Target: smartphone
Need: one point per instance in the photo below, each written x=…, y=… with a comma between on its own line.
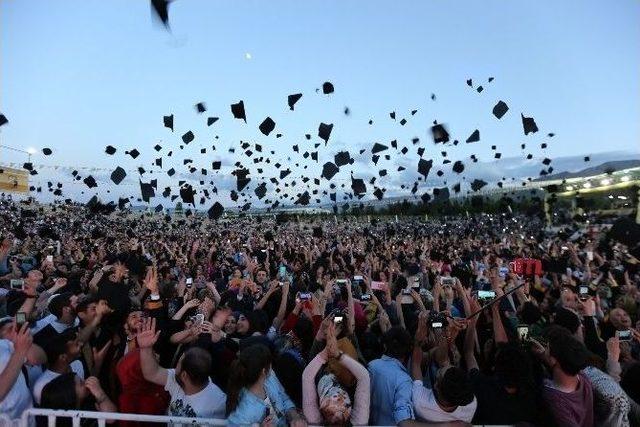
x=406, y=292
x=304, y=296
x=446, y=281
x=365, y=297
x=189, y=282
x=21, y=319
x=379, y=286
x=357, y=280
x=583, y=293
x=337, y=319
x=590, y=255
x=523, y=332
x=17, y=284
x=49, y=258
x=341, y=282
x=282, y=271
x=486, y=296
x=198, y=319
x=415, y=283
x=624, y=335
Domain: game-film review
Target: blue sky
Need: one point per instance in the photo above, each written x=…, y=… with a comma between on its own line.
x=78, y=75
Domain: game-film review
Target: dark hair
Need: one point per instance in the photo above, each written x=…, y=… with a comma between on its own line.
x=58, y=303
x=57, y=345
x=245, y=371
x=60, y=393
x=570, y=353
x=84, y=303
x=455, y=387
x=513, y=367
x=196, y=362
x=630, y=382
x=398, y=343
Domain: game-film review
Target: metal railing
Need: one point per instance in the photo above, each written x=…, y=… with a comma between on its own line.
x=102, y=418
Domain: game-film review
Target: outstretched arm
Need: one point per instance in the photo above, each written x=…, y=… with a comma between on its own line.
x=146, y=338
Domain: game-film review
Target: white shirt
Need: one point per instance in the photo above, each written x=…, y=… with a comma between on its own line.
x=48, y=376
x=19, y=398
x=53, y=321
x=426, y=407
x=210, y=402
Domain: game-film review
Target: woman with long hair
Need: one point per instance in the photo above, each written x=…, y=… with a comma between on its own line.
x=255, y=395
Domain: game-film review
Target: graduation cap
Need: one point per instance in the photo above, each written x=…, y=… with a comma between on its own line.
x=284, y=173
x=379, y=193
x=267, y=126
x=327, y=88
x=543, y=145
x=404, y=150
x=168, y=122
x=211, y=120
x=477, y=184
x=159, y=162
x=346, y=111
x=458, y=167
x=186, y=194
x=261, y=190
x=498, y=155
x=324, y=131
x=420, y=151
x=377, y=148
x=28, y=166
x=401, y=168
x=403, y=122
x=529, y=156
x=469, y=82
x=480, y=89
x=147, y=191
x=314, y=156
x=392, y=115
x=90, y=182
x=424, y=166
x=292, y=99
x=587, y=158
x=188, y=137
x=382, y=172
x=133, y=153
x=456, y=188
x=440, y=194
x=474, y=137
x=238, y=111
x=118, y=175
x=110, y=150
x=439, y=133
x=161, y=11
x=201, y=107
x=3, y=120
x=329, y=170
x=358, y=186
x=215, y=211
x=546, y=161
x=529, y=125
x=551, y=135
x=47, y=151
x=303, y=199
x=500, y=109
x=342, y=158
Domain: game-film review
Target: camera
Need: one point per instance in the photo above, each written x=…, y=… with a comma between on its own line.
x=341, y=282
x=523, y=332
x=624, y=335
x=486, y=296
x=189, y=282
x=17, y=284
x=304, y=296
x=365, y=297
x=583, y=292
x=447, y=281
x=21, y=319
x=437, y=320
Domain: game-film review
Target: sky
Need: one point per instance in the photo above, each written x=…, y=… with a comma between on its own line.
x=78, y=75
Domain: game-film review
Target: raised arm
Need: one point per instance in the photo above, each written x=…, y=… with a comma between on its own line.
x=146, y=338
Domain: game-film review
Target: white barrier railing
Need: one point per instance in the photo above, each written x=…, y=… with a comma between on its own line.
x=8, y=422
x=102, y=417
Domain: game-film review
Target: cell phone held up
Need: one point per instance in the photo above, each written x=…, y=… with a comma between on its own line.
x=21, y=319
x=17, y=284
x=624, y=335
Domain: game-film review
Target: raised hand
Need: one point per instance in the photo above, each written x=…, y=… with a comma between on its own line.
x=147, y=336
x=21, y=338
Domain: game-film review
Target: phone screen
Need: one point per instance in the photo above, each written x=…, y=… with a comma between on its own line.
x=624, y=335
x=21, y=318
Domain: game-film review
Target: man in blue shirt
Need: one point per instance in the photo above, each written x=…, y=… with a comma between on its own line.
x=391, y=385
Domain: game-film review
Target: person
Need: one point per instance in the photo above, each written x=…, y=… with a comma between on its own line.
x=191, y=390
x=568, y=393
x=328, y=402
x=15, y=396
x=255, y=394
x=391, y=385
x=62, y=353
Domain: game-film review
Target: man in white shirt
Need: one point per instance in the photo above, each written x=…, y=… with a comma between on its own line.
x=16, y=349
x=62, y=355
x=192, y=392
x=451, y=399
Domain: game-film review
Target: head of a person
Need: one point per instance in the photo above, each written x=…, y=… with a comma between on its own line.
x=243, y=325
x=513, y=366
x=230, y=325
x=569, y=320
x=630, y=381
x=237, y=273
x=262, y=277
x=620, y=319
x=134, y=321
x=566, y=353
x=34, y=277
x=61, y=306
x=193, y=368
x=453, y=387
x=66, y=391
x=333, y=400
x=86, y=310
x=252, y=365
x=398, y=343
x=63, y=349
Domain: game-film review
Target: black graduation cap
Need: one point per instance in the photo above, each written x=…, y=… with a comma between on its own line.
x=529, y=156
x=133, y=153
x=379, y=193
x=211, y=120
x=284, y=173
x=358, y=186
x=500, y=109
x=188, y=137
x=498, y=155
x=377, y=147
x=543, y=145
x=480, y=89
x=404, y=150
x=347, y=111
x=342, y=158
x=587, y=158
x=201, y=107
x=424, y=166
x=47, y=151
x=3, y=120
x=403, y=122
x=147, y=191
x=160, y=10
x=470, y=82
x=118, y=175
x=392, y=115
x=159, y=162
x=551, y=135
x=28, y=166
x=168, y=122
x=303, y=199
x=261, y=190
x=477, y=184
x=458, y=167
x=456, y=188
x=324, y=131
x=327, y=88
x=90, y=182
x=267, y=126
x=382, y=172
x=110, y=150
x=329, y=170
x=314, y=155
x=186, y=194
x=546, y=161
x=159, y=208
x=394, y=144
x=529, y=125
x=292, y=99
x=474, y=137
x=401, y=168
x=439, y=133
x=420, y=151
x=215, y=211
x=238, y=111
x=296, y=149
x=440, y=193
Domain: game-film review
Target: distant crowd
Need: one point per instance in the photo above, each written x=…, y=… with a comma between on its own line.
x=485, y=319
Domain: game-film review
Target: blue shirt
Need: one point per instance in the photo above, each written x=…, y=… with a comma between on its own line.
x=391, y=390
x=252, y=410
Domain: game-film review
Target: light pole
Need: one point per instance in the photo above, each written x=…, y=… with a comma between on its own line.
x=28, y=151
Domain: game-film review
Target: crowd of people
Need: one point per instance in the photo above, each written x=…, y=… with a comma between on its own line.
x=484, y=319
